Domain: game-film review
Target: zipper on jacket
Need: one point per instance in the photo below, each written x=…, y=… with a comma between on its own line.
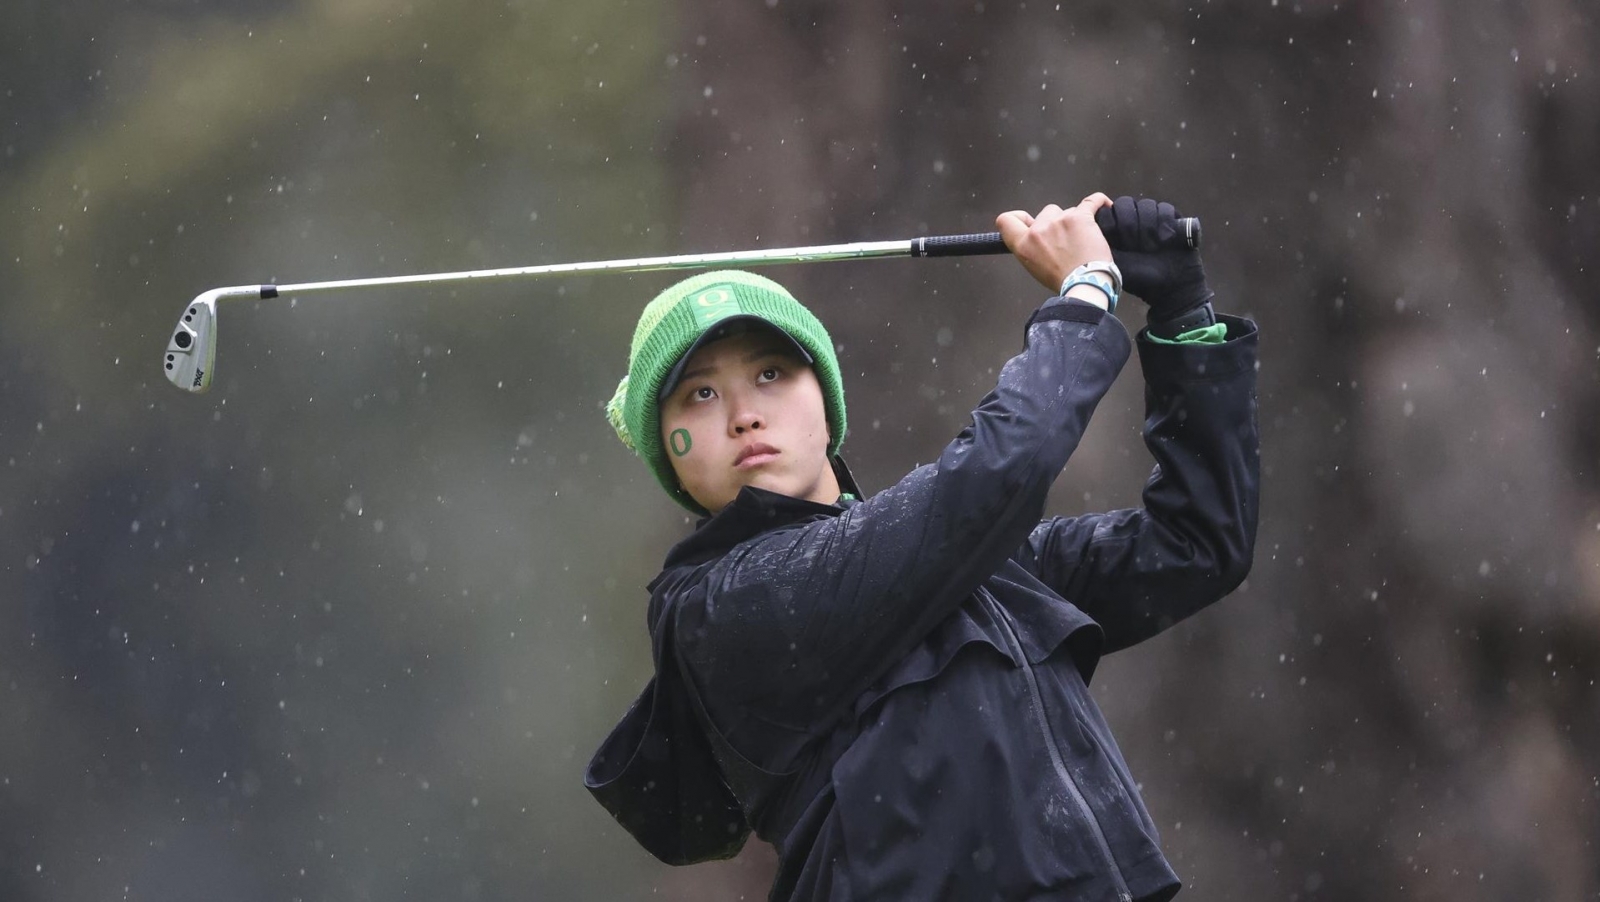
x=1118, y=883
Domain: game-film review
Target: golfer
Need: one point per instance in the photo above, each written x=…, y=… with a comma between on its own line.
x=893, y=690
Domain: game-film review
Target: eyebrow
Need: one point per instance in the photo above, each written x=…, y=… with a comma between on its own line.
x=752, y=357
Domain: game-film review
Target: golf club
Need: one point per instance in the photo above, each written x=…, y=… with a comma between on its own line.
x=192, y=353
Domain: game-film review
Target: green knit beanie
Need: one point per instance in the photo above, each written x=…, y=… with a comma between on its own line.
x=669, y=326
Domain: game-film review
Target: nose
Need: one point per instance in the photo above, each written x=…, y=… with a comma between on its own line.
x=747, y=422
x=745, y=417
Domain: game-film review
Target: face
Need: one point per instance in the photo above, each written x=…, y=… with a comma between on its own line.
x=741, y=394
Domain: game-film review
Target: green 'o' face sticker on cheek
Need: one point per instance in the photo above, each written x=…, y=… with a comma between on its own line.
x=680, y=442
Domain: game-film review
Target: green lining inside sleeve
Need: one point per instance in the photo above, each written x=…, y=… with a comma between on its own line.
x=1214, y=334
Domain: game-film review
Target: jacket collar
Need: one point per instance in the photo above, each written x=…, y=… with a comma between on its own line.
x=752, y=512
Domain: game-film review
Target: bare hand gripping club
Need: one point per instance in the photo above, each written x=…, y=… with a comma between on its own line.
x=192, y=353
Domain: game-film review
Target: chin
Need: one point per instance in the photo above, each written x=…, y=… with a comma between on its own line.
x=774, y=482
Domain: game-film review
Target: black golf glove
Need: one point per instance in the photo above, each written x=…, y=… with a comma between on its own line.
x=1153, y=254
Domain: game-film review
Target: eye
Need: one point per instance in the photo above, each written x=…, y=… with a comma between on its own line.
x=703, y=393
x=770, y=374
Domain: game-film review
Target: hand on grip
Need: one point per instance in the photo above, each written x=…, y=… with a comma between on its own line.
x=1056, y=241
x=1150, y=244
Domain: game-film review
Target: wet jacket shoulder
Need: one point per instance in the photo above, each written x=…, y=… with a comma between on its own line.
x=792, y=624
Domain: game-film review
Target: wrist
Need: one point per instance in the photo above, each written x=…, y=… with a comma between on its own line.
x=1089, y=294
x=1172, y=326
x=1178, y=303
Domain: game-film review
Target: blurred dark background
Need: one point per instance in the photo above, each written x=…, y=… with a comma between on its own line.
x=349, y=626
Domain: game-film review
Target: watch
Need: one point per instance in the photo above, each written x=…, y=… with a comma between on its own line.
x=1102, y=274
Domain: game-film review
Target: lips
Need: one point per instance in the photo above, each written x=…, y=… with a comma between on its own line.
x=755, y=454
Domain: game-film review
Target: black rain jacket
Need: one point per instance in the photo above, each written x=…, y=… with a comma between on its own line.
x=893, y=692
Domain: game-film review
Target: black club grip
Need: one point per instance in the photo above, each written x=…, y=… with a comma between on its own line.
x=959, y=245
x=991, y=243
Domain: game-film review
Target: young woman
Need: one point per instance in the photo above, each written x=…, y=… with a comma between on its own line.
x=892, y=690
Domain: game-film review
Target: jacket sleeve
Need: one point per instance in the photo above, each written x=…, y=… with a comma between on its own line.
x=1137, y=572
x=800, y=619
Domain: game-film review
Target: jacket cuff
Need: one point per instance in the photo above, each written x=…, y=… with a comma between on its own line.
x=1067, y=309
x=1199, y=362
